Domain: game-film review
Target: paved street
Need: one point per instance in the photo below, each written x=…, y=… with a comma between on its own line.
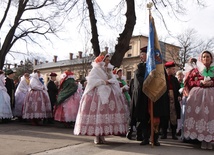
x=22, y=138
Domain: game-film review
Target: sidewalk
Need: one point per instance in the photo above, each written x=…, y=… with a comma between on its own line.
x=22, y=139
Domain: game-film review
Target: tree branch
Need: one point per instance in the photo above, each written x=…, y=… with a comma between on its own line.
x=5, y=13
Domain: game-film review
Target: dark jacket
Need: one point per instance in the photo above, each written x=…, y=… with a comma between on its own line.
x=9, y=84
x=176, y=87
x=139, y=99
x=52, y=92
x=161, y=106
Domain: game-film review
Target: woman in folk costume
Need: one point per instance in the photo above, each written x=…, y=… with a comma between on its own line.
x=68, y=99
x=102, y=110
x=20, y=94
x=37, y=104
x=190, y=66
x=123, y=85
x=5, y=109
x=180, y=76
x=199, y=119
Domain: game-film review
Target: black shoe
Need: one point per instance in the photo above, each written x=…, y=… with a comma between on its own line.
x=156, y=137
x=174, y=137
x=145, y=142
x=50, y=121
x=6, y=120
x=156, y=143
x=45, y=121
x=163, y=137
x=178, y=133
x=129, y=135
x=139, y=138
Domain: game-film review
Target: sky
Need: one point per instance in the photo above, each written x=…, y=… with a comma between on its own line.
x=201, y=19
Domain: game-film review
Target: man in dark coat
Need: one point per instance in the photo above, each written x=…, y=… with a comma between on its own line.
x=138, y=97
x=9, y=84
x=52, y=89
x=133, y=121
x=141, y=110
x=174, y=108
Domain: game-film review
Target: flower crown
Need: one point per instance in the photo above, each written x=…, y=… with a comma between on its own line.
x=101, y=57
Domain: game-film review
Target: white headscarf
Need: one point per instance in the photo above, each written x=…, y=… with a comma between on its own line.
x=98, y=77
x=23, y=85
x=200, y=65
x=35, y=83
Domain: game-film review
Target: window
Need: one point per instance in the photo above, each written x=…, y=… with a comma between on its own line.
x=129, y=55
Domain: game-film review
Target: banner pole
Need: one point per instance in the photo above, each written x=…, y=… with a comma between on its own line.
x=152, y=122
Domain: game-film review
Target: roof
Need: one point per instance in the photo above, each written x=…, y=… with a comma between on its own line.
x=60, y=63
x=64, y=63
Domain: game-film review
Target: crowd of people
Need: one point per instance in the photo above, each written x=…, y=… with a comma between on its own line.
x=106, y=105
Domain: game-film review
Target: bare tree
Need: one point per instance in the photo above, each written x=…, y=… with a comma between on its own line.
x=189, y=42
x=31, y=21
x=32, y=18
x=174, y=57
x=207, y=44
x=24, y=67
x=124, y=38
x=122, y=46
x=191, y=45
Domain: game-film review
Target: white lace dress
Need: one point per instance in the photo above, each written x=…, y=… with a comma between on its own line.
x=5, y=109
x=20, y=95
x=199, y=116
x=37, y=103
x=102, y=110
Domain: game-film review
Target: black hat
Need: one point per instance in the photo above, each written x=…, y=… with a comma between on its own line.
x=143, y=49
x=9, y=71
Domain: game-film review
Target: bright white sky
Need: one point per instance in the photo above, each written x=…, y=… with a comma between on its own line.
x=199, y=19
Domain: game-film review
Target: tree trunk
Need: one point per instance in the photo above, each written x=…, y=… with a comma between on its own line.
x=6, y=46
x=123, y=41
x=8, y=42
x=94, y=40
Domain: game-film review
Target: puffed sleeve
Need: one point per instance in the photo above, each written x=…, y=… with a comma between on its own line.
x=194, y=79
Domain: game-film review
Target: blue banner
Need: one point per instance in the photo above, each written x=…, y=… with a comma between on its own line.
x=154, y=85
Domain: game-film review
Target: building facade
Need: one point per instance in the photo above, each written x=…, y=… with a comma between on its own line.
x=82, y=65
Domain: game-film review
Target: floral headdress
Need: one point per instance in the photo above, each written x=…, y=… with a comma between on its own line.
x=101, y=57
x=115, y=70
